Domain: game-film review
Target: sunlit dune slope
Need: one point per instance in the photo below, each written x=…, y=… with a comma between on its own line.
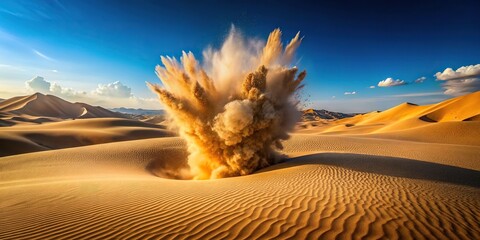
x=465, y=133
x=412, y=122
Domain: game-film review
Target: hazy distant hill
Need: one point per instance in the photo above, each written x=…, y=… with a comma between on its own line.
x=312, y=115
x=308, y=115
x=37, y=108
x=144, y=115
x=138, y=111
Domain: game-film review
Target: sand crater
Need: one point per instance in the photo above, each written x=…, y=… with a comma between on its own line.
x=163, y=167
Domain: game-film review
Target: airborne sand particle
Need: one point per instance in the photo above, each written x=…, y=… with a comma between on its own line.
x=234, y=110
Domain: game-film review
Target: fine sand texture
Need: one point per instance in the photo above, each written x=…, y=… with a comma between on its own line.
x=411, y=172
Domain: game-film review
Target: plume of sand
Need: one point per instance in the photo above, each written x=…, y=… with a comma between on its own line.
x=234, y=111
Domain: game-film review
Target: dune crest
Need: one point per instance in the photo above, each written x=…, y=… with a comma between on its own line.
x=454, y=121
x=38, y=108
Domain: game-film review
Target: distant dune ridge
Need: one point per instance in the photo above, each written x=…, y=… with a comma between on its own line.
x=39, y=108
x=96, y=125
x=144, y=115
x=139, y=111
x=455, y=120
x=315, y=115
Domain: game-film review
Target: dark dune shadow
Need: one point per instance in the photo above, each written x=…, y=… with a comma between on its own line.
x=425, y=118
x=473, y=118
x=6, y=123
x=390, y=166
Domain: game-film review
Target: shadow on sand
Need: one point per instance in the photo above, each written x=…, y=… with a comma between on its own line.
x=390, y=166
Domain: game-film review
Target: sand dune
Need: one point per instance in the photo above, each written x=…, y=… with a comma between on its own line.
x=409, y=172
x=110, y=191
x=74, y=133
x=312, y=114
x=38, y=108
x=465, y=133
x=405, y=116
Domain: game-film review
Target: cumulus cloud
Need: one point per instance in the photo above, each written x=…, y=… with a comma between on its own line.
x=465, y=72
x=464, y=80
x=350, y=93
x=420, y=79
x=39, y=84
x=107, y=95
x=115, y=89
x=58, y=90
x=390, y=82
x=371, y=86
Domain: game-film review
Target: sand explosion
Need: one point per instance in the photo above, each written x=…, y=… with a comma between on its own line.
x=234, y=110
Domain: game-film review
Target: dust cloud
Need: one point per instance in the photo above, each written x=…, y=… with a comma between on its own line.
x=234, y=109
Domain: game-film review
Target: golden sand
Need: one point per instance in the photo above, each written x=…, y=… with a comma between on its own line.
x=408, y=172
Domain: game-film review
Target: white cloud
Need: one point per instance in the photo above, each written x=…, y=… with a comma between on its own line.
x=350, y=93
x=471, y=71
x=371, y=86
x=54, y=70
x=462, y=81
x=38, y=84
x=115, y=90
x=420, y=79
x=42, y=55
x=390, y=82
x=107, y=95
x=66, y=92
x=333, y=97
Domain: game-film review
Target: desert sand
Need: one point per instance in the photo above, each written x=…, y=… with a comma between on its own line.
x=407, y=172
x=39, y=108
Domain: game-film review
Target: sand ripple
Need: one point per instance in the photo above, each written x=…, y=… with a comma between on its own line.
x=314, y=196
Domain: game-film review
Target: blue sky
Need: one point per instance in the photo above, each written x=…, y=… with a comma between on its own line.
x=102, y=52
